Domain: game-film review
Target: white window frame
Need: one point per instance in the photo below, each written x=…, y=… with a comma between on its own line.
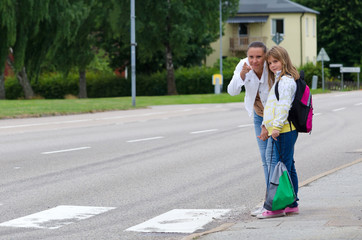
x=273, y=26
x=314, y=27
x=306, y=27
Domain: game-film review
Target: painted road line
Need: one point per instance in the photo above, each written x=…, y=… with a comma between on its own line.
x=341, y=95
x=316, y=114
x=180, y=221
x=338, y=109
x=204, y=131
x=245, y=125
x=145, y=139
x=43, y=124
x=358, y=104
x=56, y=217
x=66, y=150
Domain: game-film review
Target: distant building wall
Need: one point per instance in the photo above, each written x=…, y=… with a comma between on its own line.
x=300, y=37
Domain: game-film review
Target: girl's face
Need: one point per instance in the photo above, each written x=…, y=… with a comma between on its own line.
x=274, y=64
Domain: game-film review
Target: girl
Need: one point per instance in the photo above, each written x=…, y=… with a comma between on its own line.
x=276, y=123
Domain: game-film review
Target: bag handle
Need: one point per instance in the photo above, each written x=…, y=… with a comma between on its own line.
x=271, y=157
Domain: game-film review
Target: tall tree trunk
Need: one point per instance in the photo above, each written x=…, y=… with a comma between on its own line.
x=2, y=86
x=82, y=84
x=25, y=84
x=171, y=84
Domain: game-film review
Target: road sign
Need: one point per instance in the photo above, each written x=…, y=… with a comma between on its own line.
x=350, y=69
x=217, y=78
x=278, y=38
x=335, y=65
x=322, y=55
x=217, y=81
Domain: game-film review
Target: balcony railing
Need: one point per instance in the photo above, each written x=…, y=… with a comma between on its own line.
x=242, y=43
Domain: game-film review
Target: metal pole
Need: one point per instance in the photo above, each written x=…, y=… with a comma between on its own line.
x=133, y=53
x=221, y=40
x=322, y=74
x=342, y=82
x=357, y=81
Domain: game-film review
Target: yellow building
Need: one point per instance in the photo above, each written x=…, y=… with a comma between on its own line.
x=265, y=20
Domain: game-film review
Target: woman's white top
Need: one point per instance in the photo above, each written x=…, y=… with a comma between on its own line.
x=252, y=85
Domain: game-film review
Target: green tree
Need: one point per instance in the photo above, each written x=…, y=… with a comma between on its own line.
x=171, y=32
x=339, y=29
x=78, y=53
x=40, y=26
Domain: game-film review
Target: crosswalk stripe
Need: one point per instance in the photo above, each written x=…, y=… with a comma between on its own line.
x=180, y=221
x=56, y=217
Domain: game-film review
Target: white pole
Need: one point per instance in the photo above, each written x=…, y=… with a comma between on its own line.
x=322, y=74
x=221, y=41
x=133, y=52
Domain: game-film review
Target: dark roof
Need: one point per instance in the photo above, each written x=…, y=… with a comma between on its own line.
x=272, y=6
x=249, y=19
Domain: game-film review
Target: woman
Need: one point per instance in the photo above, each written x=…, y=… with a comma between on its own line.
x=252, y=72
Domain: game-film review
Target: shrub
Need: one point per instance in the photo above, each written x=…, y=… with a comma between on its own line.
x=310, y=69
x=13, y=90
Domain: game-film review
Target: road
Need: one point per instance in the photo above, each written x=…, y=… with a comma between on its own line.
x=122, y=168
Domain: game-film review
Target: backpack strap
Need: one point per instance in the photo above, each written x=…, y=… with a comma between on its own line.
x=276, y=90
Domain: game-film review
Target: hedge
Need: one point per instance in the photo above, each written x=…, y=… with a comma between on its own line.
x=197, y=80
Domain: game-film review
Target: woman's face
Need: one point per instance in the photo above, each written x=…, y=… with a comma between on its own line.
x=274, y=64
x=256, y=57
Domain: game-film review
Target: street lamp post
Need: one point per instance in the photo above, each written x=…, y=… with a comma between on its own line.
x=221, y=40
x=133, y=52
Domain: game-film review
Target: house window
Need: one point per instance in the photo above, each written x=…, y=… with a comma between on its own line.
x=314, y=27
x=277, y=26
x=243, y=29
x=306, y=27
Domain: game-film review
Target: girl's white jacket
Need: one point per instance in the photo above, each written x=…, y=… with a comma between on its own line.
x=252, y=85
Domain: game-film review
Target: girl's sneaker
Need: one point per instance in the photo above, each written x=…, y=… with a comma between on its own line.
x=293, y=210
x=271, y=214
x=257, y=211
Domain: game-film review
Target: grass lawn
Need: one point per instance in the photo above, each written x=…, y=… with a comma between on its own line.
x=50, y=107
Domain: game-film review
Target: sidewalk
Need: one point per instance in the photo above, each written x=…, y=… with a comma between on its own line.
x=330, y=208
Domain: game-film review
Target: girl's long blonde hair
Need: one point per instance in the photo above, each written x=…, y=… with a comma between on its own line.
x=282, y=55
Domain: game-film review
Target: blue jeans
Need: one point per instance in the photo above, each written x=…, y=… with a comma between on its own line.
x=265, y=147
x=284, y=149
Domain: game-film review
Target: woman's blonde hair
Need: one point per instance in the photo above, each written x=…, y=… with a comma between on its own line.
x=282, y=55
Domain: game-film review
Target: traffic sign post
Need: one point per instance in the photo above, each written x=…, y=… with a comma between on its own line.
x=323, y=56
x=337, y=65
x=217, y=81
x=350, y=70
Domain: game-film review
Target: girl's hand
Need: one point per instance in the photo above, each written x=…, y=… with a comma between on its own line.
x=264, y=134
x=275, y=134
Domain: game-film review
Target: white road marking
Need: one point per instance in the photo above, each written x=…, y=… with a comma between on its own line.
x=316, y=114
x=45, y=123
x=338, y=109
x=66, y=150
x=204, y=131
x=56, y=217
x=179, y=221
x=358, y=104
x=145, y=139
x=245, y=125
